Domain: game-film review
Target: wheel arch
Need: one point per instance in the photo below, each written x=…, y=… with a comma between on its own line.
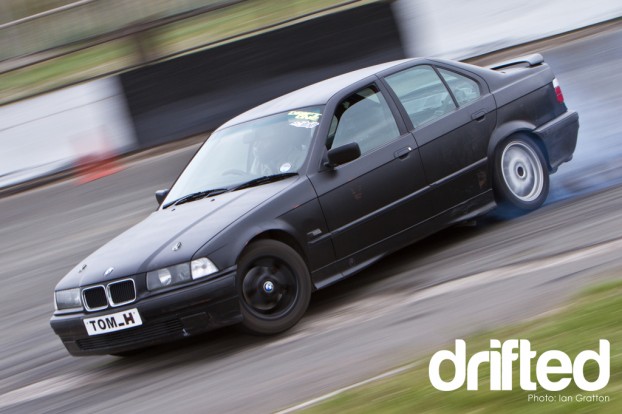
x=509, y=130
x=280, y=235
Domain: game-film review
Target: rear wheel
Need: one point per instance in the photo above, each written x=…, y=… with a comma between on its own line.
x=521, y=176
x=274, y=287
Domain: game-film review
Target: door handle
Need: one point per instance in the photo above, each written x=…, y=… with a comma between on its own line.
x=402, y=152
x=479, y=115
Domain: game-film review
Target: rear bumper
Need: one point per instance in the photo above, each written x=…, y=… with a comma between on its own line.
x=172, y=315
x=560, y=138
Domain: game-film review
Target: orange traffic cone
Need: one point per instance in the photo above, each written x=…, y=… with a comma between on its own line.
x=92, y=167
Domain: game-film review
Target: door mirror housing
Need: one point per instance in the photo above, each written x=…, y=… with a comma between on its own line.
x=160, y=195
x=343, y=154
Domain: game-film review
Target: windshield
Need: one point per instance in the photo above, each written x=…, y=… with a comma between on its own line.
x=275, y=144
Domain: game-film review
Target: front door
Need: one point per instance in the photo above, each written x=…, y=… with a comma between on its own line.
x=371, y=198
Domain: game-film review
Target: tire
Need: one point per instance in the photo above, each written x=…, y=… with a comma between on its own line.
x=521, y=176
x=274, y=287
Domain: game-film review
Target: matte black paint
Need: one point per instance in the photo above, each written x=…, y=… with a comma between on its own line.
x=339, y=219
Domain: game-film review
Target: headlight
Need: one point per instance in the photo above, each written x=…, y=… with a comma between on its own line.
x=67, y=299
x=181, y=273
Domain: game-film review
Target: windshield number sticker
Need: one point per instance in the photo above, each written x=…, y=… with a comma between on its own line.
x=303, y=124
x=306, y=116
x=304, y=119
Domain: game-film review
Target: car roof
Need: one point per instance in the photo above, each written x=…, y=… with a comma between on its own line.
x=313, y=95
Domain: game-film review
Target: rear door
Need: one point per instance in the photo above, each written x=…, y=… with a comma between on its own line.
x=452, y=116
x=371, y=198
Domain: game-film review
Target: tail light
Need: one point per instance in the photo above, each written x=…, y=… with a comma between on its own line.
x=558, y=91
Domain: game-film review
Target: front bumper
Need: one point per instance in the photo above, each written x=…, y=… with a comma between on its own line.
x=172, y=315
x=560, y=138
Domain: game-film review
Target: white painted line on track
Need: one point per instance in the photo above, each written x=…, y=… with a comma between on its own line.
x=41, y=389
x=56, y=385
x=314, y=401
x=382, y=304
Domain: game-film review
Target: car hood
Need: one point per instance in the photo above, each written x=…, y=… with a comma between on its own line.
x=168, y=237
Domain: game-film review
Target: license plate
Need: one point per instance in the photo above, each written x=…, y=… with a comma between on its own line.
x=112, y=322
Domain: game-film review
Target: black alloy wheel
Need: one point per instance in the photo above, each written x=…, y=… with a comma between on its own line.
x=274, y=287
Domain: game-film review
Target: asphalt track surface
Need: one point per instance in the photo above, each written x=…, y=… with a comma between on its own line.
x=460, y=281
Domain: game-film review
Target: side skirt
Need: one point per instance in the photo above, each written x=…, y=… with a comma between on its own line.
x=362, y=259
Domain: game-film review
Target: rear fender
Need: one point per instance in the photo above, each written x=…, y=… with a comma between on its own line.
x=513, y=128
x=504, y=131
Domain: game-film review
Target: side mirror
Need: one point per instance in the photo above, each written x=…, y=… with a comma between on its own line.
x=343, y=154
x=161, y=195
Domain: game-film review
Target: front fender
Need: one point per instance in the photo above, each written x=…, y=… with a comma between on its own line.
x=293, y=217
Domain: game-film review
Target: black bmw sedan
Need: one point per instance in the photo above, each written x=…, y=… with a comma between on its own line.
x=314, y=186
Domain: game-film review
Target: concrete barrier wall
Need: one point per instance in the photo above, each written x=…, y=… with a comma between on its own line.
x=54, y=131
x=198, y=92
x=459, y=29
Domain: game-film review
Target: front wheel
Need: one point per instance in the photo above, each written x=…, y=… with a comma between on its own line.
x=521, y=176
x=274, y=287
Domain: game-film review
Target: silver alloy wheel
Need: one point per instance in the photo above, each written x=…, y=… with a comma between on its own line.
x=522, y=171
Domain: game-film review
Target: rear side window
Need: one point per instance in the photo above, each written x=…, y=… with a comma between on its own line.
x=365, y=118
x=465, y=90
x=422, y=93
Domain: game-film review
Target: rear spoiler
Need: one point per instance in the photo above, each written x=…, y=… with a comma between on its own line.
x=531, y=60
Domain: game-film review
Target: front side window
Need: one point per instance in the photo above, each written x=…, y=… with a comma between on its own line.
x=365, y=118
x=262, y=147
x=422, y=93
x=465, y=90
